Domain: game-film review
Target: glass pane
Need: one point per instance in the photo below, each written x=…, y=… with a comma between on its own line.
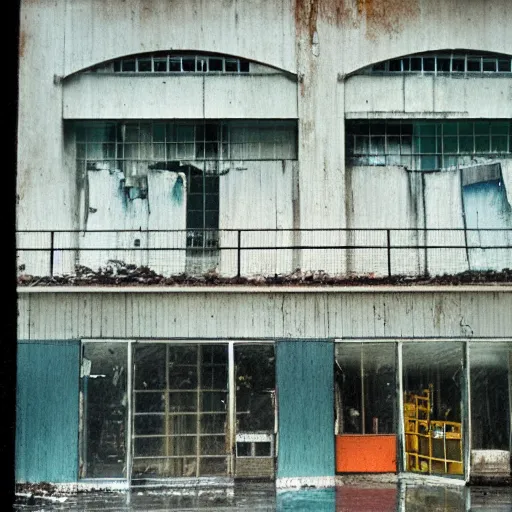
x=474, y=64
x=458, y=64
x=255, y=388
x=443, y=64
x=144, y=65
x=489, y=64
x=365, y=388
x=231, y=65
x=103, y=394
x=175, y=64
x=149, y=367
x=170, y=423
x=433, y=381
x=490, y=365
x=215, y=64
x=504, y=65
x=128, y=65
x=189, y=63
x=450, y=145
x=416, y=63
x=160, y=64
x=499, y=144
x=429, y=64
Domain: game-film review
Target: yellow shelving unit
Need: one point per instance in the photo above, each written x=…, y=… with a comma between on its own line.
x=431, y=446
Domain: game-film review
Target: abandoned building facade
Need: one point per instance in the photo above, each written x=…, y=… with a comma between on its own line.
x=236, y=227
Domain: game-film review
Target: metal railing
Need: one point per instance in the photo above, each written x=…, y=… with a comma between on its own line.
x=243, y=252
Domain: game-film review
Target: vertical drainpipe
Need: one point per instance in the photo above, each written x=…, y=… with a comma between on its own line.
x=231, y=412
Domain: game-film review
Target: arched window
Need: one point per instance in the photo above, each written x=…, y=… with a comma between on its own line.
x=444, y=63
x=183, y=62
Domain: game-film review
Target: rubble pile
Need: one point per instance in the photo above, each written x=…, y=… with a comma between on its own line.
x=117, y=273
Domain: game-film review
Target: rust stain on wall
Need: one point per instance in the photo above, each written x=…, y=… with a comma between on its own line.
x=386, y=16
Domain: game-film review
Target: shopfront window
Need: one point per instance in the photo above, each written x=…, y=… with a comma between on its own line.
x=490, y=388
x=433, y=385
x=365, y=407
x=103, y=406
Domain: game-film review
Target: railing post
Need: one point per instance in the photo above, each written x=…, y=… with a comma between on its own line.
x=239, y=250
x=388, y=236
x=52, y=241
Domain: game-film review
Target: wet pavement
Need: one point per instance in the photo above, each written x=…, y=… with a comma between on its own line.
x=259, y=496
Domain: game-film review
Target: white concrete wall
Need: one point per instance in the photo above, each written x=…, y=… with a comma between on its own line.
x=102, y=96
x=252, y=196
x=393, y=198
x=428, y=96
x=394, y=312
x=319, y=41
x=385, y=197
x=108, y=208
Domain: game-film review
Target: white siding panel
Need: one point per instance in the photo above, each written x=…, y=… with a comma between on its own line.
x=250, y=96
x=258, y=196
x=406, y=95
x=419, y=94
x=364, y=93
x=279, y=315
x=443, y=205
x=97, y=96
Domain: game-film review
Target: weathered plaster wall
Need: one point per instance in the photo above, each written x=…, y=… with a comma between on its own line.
x=321, y=41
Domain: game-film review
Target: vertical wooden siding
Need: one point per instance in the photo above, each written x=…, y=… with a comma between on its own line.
x=47, y=411
x=306, y=414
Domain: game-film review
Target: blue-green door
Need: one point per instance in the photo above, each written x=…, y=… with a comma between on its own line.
x=304, y=374
x=47, y=411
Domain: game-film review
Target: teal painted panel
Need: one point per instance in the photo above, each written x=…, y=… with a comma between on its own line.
x=47, y=411
x=304, y=373
x=307, y=500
